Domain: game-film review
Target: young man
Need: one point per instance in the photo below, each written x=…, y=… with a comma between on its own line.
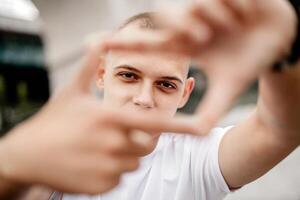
x=178, y=166
x=191, y=167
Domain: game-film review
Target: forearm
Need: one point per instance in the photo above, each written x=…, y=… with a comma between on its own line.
x=10, y=191
x=8, y=188
x=249, y=151
x=269, y=135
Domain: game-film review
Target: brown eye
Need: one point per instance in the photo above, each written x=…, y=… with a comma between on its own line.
x=167, y=85
x=128, y=76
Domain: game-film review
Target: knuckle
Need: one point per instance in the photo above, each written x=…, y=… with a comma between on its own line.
x=100, y=185
x=118, y=144
x=114, y=181
x=132, y=164
x=116, y=166
x=93, y=190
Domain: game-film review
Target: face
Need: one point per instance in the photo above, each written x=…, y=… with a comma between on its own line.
x=156, y=84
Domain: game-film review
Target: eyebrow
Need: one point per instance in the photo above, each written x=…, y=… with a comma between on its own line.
x=128, y=67
x=171, y=78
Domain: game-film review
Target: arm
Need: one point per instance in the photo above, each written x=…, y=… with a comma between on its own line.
x=269, y=135
x=11, y=190
x=8, y=189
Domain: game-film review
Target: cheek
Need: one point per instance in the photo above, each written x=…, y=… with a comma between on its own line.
x=117, y=93
x=168, y=103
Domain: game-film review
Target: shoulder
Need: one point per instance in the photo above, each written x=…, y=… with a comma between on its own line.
x=214, y=135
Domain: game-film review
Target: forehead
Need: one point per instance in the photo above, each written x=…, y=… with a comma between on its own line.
x=149, y=63
x=154, y=63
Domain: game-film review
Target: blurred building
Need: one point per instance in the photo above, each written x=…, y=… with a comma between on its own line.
x=24, y=84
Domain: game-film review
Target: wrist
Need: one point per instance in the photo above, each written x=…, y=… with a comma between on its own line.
x=9, y=189
x=4, y=161
x=13, y=158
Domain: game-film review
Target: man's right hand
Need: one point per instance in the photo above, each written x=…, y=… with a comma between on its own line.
x=232, y=41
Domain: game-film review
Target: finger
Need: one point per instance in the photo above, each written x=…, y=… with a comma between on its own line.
x=91, y=60
x=130, y=163
x=96, y=38
x=123, y=142
x=163, y=41
x=147, y=122
x=139, y=41
x=242, y=9
x=158, y=124
x=96, y=185
x=219, y=98
x=184, y=25
x=118, y=164
x=113, y=140
x=141, y=143
x=215, y=14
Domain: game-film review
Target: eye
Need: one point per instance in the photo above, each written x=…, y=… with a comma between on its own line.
x=128, y=76
x=166, y=85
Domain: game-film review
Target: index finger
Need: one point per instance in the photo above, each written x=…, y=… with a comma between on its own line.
x=93, y=56
x=149, y=122
x=220, y=97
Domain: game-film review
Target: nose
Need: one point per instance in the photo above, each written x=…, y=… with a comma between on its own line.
x=144, y=98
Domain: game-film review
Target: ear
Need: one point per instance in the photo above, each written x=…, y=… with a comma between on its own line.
x=189, y=86
x=100, y=75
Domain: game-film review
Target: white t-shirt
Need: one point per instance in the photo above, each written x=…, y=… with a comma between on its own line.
x=181, y=167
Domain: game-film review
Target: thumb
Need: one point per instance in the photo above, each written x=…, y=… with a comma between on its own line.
x=94, y=56
x=221, y=95
x=148, y=122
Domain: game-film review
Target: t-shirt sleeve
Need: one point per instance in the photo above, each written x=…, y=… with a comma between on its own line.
x=207, y=177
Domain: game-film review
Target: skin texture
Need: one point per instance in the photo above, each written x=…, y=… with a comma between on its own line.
x=235, y=42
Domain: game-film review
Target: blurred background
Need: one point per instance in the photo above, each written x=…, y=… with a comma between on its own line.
x=40, y=45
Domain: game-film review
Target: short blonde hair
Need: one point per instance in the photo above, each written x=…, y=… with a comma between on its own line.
x=145, y=21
